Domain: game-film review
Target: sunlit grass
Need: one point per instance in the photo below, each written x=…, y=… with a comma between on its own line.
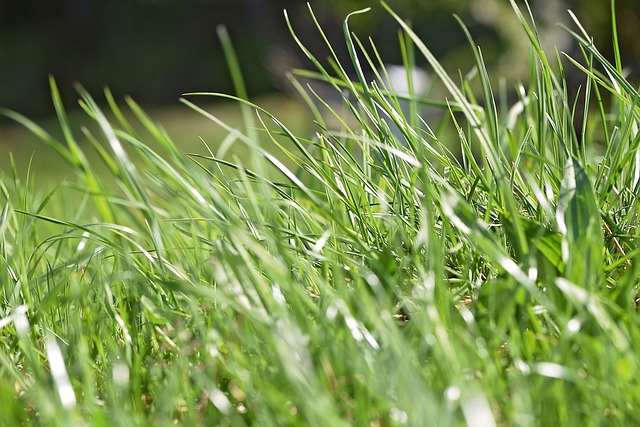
x=188, y=130
x=361, y=274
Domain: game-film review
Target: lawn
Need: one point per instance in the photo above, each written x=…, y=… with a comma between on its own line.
x=379, y=270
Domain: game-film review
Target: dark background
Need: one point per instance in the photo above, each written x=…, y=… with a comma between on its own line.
x=155, y=50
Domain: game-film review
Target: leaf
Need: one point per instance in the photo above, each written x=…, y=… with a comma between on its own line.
x=578, y=218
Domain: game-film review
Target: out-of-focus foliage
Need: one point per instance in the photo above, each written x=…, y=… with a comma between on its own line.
x=156, y=50
x=494, y=28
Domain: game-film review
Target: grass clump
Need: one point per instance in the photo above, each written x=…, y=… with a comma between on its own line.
x=365, y=275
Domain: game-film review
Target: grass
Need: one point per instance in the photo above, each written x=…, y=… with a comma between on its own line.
x=186, y=128
x=371, y=280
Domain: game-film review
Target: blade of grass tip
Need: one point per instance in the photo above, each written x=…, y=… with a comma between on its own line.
x=16, y=179
x=490, y=109
x=337, y=115
x=326, y=77
x=247, y=140
x=566, y=112
x=249, y=173
x=159, y=162
x=618, y=68
x=409, y=61
x=320, y=76
x=614, y=37
x=116, y=146
x=238, y=81
x=41, y=134
x=378, y=66
x=130, y=172
x=387, y=100
x=117, y=112
x=594, y=74
x=64, y=124
x=370, y=110
x=346, y=156
x=77, y=157
x=531, y=30
x=4, y=191
x=47, y=199
x=386, y=97
x=244, y=138
x=594, y=83
x=469, y=159
x=156, y=132
x=343, y=74
x=550, y=81
x=465, y=106
x=577, y=148
x=354, y=55
x=617, y=79
x=88, y=228
x=297, y=161
x=315, y=112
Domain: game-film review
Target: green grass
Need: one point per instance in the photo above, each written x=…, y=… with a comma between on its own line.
x=370, y=280
x=186, y=129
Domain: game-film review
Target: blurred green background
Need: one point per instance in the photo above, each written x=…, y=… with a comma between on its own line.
x=156, y=50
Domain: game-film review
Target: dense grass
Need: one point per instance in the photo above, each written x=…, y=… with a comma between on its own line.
x=380, y=280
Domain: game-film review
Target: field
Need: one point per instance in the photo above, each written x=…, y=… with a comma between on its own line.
x=369, y=269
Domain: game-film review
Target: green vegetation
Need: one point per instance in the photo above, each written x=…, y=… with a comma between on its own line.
x=371, y=280
x=178, y=120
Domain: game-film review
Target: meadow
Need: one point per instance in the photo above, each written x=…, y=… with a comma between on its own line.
x=480, y=269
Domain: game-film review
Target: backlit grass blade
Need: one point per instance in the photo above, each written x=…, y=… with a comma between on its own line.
x=238, y=81
x=578, y=217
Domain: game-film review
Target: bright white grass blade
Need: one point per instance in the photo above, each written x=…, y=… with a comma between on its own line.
x=59, y=373
x=18, y=318
x=477, y=411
